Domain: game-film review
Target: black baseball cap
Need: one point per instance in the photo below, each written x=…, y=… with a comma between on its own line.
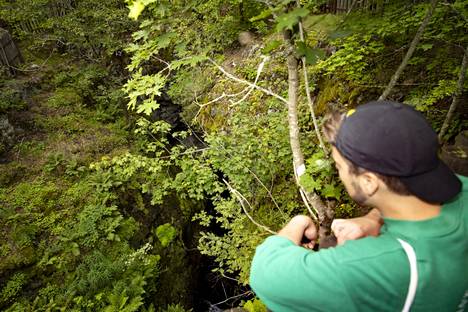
x=394, y=139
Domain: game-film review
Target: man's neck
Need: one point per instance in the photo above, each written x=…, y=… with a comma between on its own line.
x=408, y=208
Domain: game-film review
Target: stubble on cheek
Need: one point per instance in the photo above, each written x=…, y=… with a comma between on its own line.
x=359, y=197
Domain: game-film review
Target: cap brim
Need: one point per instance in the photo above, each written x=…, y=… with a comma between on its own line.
x=436, y=186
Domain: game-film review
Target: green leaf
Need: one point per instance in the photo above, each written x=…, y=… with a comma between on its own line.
x=311, y=55
x=270, y=46
x=147, y=107
x=135, y=9
x=426, y=46
x=191, y=61
x=76, y=252
x=309, y=183
x=288, y=20
x=164, y=40
x=331, y=190
x=255, y=305
x=166, y=234
x=262, y=15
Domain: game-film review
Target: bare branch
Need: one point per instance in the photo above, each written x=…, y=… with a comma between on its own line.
x=306, y=202
x=189, y=152
x=456, y=96
x=36, y=67
x=314, y=213
x=230, y=278
x=266, y=189
x=232, y=77
x=241, y=200
x=234, y=297
x=259, y=71
x=410, y=51
x=309, y=98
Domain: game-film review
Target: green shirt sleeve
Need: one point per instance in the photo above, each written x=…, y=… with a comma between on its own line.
x=287, y=277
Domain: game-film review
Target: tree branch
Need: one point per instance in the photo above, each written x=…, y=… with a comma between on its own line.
x=250, y=88
x=456, y=96
x=254, y=86
x=241, y=200
x=233, y=297
x=298, y=157
x=410, y=51
x=309, y=98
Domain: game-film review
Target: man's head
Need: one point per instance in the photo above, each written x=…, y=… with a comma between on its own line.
x=393, y=142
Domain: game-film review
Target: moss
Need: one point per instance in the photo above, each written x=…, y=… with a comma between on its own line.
x=175, y=277
x=65, y=97
x=11, y=96
x=32, y=197
x=330, y=91
x=12, y=172
x=339, y=94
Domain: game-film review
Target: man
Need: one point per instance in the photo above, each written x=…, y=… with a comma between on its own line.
x=386, y=156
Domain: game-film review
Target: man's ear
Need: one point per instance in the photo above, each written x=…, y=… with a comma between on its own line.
x=369, y=183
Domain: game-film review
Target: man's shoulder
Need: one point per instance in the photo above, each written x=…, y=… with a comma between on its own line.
x=460, y=202
x=463, y=195
x=368, y=249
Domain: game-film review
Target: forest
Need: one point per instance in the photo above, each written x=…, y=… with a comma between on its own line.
x=147, y=147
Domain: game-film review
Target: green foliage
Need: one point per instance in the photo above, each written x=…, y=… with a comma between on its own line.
x=255, y=305
x=137, y=6
x=423, y=101
x=81, y=28
x=11, y=98
x=311, y=55
x=166, y=234
x=145, y=88
x=72, y=232
x=106, y=237
x=175, y=308
x=12, y=288
x=352, y=61
x=291, y=18
x=64, y=97
x=321, y=176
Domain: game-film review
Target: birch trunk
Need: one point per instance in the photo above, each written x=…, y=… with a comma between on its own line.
x=325, y=215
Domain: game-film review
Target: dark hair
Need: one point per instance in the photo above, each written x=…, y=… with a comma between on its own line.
x=330, y=129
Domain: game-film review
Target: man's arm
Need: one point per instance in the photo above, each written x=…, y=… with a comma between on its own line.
x=350, y=229
x=299, y=229
x=287, y=277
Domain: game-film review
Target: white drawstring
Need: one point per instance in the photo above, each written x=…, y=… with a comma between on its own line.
x=413, y=276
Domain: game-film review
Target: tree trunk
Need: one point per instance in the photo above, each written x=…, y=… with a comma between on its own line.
x=325, y=215
x=456, y=96
x=410, y=51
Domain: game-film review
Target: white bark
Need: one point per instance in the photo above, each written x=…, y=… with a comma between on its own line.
x=325, y=215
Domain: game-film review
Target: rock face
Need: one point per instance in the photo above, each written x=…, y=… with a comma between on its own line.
x=167, y=111
x=10, y=55
x=6, y=133
x=456, y=155
x=246, y=38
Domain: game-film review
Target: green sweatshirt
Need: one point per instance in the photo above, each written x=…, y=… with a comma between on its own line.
x=372, y=273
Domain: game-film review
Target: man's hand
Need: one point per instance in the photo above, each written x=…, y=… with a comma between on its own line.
x=350, y=229
x=301, y=230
